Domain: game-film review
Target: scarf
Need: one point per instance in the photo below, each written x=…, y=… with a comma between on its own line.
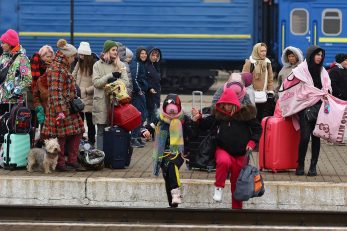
x=260, y=65
x=168, y=127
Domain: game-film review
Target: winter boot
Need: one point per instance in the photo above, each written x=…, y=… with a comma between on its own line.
x=313, y=170
x=218, y=192
x=300, y=170
x=135, y=143
x=176, y=196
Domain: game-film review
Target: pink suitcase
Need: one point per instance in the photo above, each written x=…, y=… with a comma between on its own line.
x=278, y=146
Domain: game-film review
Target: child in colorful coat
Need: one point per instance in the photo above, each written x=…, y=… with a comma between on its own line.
x=171, y=135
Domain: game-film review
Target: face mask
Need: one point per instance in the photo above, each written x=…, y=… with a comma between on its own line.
x=171, y=109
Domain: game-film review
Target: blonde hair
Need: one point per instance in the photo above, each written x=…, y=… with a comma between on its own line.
x=116, y=62
x=46, y=49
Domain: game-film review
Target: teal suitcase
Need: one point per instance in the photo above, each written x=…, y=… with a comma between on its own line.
x=16, y=150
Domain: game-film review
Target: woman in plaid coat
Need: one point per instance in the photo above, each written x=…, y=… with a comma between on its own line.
x=60, y=122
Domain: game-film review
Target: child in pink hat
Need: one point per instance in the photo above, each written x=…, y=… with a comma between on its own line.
x=10, y=37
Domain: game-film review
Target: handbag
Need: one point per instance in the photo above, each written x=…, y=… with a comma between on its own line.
x=4, y=71
x=76, y=105
x=311, y=113
x=260, y=96
x=249, y=183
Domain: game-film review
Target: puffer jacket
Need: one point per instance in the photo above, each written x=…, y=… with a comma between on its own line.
x=18, y=78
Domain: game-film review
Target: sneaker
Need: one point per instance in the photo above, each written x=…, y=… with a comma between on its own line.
x=76, y=166
x=136, y=144
x=218, y=192
x=176, y=196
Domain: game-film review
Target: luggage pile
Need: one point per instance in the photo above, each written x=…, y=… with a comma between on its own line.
x=15, y=129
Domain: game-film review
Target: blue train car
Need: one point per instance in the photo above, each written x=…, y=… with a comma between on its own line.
x=302, y=23
x=194, y=35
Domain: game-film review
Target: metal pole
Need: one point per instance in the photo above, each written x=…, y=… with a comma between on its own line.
x=72, y=22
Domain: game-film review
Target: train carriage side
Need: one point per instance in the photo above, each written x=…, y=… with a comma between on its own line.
x=318, y=22
x=194, y=35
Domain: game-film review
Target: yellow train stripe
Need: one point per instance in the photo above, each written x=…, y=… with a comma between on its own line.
x=332, y=40
x=134, y=35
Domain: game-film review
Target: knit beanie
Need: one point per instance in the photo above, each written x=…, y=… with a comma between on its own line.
x=237, y=88
x=66, y=48
x=247, y=78
x=10, y=37
x=339, y=58
x=108, y=45
x=84, y=49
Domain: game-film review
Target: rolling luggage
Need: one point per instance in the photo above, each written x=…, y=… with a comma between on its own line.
x=195, y=158
x=278, y=146
x=116, y=147
x=16, y=149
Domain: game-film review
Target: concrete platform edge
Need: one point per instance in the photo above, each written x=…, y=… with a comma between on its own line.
x=137, y=192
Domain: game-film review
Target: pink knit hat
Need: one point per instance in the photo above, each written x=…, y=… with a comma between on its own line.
x=247, y=78
x=238, y=88
x=10, y=37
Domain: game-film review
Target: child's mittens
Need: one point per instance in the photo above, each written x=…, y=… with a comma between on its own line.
x=250, y=145
x=40, y=114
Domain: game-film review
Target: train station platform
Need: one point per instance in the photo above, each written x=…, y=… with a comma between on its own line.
x=137, y=187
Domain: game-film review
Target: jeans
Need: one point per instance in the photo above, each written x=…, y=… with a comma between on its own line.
x=100, y=136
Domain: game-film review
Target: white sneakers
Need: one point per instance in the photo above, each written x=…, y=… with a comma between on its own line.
x=218, y=192
x=176, y=196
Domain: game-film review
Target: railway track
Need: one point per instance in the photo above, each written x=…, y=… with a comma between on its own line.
x=168, y=216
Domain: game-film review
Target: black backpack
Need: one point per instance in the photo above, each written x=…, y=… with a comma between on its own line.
x=19, y=120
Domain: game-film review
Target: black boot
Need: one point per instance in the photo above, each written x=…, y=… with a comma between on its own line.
x=313, y=170
x=300, y=170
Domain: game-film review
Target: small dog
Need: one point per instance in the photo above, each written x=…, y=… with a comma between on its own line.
x=46, y=158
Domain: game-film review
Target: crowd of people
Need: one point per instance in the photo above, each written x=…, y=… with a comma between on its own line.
x=50, y=80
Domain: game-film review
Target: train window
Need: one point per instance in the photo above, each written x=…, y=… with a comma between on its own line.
x=331, y=22
x=299, y=21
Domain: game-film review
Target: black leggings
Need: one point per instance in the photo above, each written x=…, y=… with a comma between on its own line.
x=306, y=129
x=91, y=126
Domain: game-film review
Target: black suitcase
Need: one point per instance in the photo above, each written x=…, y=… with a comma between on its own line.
x=195, y=136
x=117, y=147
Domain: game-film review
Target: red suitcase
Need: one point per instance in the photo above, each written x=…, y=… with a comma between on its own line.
x=126, y=116
x=278, y=146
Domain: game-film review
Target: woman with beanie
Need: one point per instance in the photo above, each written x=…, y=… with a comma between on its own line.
x=83, y=73
x=338, y=76
x=18, y=78
x=261, y=68
x=140, y=87
x=238, y=132
x=108, y=69
x=60, y=121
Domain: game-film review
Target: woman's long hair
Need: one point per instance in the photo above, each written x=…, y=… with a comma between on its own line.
x=116, y=62
x=86, y=65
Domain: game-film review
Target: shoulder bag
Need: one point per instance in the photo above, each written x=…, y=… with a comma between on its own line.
x=4, y=71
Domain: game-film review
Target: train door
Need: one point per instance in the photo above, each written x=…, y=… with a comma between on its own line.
x=296, y=25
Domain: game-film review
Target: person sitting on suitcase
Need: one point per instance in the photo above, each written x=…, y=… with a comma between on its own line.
x=168, y=152
x=238, y=132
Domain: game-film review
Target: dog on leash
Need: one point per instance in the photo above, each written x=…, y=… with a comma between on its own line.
x=45, y=158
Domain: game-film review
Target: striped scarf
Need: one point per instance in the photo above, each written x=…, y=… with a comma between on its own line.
x=172, y=128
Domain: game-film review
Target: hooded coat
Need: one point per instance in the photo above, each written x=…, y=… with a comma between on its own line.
x=235, y=131
x=287, y=67
x=138, y=73
x=153, y=70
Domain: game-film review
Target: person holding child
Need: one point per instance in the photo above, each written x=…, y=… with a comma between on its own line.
x=238, y=132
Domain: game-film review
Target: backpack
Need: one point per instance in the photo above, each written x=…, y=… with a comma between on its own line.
x=249, y=184
x=19, y=120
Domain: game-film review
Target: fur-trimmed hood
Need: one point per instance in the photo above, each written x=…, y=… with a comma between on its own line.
x=297, y=52
x=246, y=112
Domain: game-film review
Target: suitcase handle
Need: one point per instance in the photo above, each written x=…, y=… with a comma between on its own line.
x=196, y=94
